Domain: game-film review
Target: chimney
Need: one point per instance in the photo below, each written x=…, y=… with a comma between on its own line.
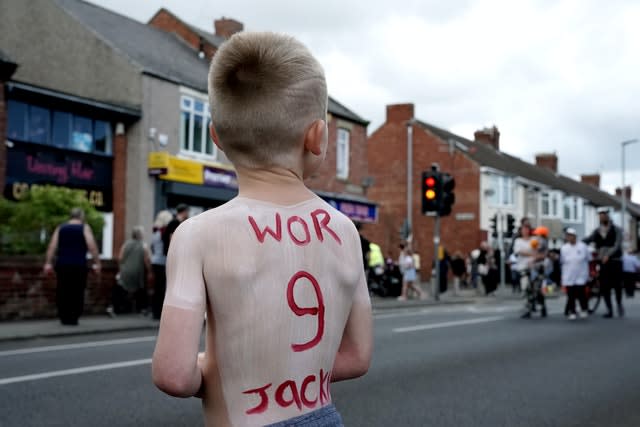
x=591, y=179
x=399, y=113
x=547, y=160
x=627, y=192
x=226, y=27
x=489, y=136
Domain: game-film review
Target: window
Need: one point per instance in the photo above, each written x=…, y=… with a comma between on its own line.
x=39, y=125
x=342, y=154
x=36, y=124
x=572, y=209
x=550, y=204
x=194, y=127
x=17, y=126
x=61, y=129
x=503, y=190
x=102, y=136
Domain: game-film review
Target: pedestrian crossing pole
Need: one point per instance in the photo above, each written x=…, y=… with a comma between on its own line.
x=436, y=257
x=501, y=220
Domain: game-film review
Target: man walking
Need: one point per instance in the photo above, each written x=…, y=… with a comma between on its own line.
x=608, y=241
x=574, y=258
x=70, y=242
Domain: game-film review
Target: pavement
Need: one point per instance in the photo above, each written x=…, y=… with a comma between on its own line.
x=11, y=330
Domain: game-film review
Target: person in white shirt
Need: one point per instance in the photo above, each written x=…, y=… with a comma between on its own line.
x=574, y=259
x=630, y=270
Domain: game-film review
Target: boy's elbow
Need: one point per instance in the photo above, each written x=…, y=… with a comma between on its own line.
x=361, y=365
x=171, y=383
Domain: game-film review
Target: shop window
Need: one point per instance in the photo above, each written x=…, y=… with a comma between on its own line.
x=194, y=127
x=39, y=124
x=17, y=123
x=61, y=135
x=36, y=124
x=82, y=135
x=102, y=137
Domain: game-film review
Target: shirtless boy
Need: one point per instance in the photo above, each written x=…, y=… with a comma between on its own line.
x=278, y=271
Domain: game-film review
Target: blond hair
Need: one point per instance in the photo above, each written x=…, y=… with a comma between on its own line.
x=162, y=219
x=265, y=90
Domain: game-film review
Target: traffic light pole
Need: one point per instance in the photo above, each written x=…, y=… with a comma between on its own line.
x=501, y=247
x=436, y=260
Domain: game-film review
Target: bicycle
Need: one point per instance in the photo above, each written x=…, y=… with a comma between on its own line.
x=593, y=286
x=532, y=285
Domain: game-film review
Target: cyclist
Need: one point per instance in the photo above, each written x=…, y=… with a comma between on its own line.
x=607, y=238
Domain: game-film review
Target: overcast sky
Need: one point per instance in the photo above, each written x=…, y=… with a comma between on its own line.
x=559, y=76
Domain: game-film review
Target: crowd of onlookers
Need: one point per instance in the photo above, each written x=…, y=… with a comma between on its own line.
x=569, y=266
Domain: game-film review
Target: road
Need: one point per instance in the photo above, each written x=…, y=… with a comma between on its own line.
x=457, y=365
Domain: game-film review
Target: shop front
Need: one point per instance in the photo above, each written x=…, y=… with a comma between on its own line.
x=206, y=185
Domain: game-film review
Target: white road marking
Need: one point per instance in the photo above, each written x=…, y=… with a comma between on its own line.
x=448, y=324
x=89, y=344
x=44, y=375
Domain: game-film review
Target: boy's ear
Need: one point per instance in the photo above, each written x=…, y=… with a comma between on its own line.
x=214, y=137
x=316, y=138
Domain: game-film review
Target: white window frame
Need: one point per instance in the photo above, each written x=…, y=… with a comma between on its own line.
x=502, y=181
x=343, y=137
x=555, y=200
x=206, y=118
x=576, y=207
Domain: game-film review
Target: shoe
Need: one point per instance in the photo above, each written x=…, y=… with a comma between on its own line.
x=620, y=311
x=401, y=298
x=111, y=312
x=607, y=316
x=572, y=316
x=543, y=312
x=526, y=315
x=583, y=315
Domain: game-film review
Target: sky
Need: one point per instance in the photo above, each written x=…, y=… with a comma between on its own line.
x=553, y=75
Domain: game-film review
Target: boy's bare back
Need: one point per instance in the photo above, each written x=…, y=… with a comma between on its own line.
x=277, y=270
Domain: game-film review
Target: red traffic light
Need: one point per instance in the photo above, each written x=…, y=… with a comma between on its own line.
x=431, y=182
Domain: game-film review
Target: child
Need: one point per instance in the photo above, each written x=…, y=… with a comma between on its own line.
x=278, y=271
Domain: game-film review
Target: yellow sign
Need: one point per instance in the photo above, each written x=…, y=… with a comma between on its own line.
x=158, y=162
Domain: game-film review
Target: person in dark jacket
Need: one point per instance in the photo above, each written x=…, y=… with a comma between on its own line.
x=608, y=241
x=69, y=244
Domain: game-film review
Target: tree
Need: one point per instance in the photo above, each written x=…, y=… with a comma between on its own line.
x=26, y=226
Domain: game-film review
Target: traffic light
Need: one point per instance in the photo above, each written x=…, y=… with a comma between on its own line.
x=448, y=196
x=494, y=226
x=431, y=192
x=511, y=225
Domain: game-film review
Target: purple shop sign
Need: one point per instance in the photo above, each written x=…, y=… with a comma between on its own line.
x=217, y=177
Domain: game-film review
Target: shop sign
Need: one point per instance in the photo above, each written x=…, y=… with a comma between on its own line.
x=30, y=166
x=356, y=210
x=218, y=177
x=182, y=170
x=158, y=163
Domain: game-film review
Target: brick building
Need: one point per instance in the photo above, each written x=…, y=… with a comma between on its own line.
x=489, y=182
x=124, y=104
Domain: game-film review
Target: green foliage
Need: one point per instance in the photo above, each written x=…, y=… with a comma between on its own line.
x=26, y=226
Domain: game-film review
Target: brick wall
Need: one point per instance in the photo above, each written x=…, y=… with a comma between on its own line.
x=166, y=21
x=387, y=154
x=26, y=293
x=592, y=179
x=547, y=160
x=325, y=178
x=3, y=129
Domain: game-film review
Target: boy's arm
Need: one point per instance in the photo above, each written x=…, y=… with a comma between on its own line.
x=354, y=355
x=175, y=367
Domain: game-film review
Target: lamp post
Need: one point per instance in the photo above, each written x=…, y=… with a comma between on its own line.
x=624, y=190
